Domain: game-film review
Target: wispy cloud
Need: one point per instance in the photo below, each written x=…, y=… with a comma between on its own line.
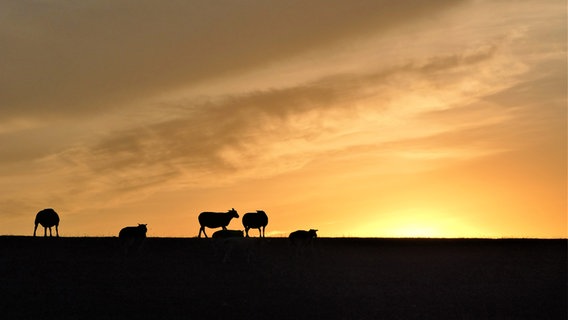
x=62, y=59
x=270, y=132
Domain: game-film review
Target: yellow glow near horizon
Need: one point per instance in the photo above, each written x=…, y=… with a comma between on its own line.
x=418, y=223
x=416, y=230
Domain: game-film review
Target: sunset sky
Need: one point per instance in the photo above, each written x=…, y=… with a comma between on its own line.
x=372, y=118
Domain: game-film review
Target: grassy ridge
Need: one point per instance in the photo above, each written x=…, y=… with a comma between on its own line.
x=339, y=278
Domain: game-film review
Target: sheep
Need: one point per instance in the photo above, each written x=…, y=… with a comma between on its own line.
x=303, y=242
x=303, y=237
x=257, y=220
x=47, y=218
x=228, y=234
x=215, y=220
x=132, y=238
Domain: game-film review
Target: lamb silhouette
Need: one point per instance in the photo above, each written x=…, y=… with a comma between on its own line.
x=256, y=220
x=215, y=220
x=47, y=218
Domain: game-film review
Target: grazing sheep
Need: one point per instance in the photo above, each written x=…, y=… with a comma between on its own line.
x=257, y=220
x=47, y=218
x=303, y=237
x=132, y=238
x=228, y=234
x=215, y=220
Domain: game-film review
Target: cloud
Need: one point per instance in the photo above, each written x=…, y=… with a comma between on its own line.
x=264, y=133
x=64, y=59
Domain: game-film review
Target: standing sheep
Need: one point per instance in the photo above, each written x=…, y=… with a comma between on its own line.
x=215, y=220
x=47, y=218
x=257, y=220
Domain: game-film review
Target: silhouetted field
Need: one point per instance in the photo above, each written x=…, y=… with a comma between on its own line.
x=339, y=278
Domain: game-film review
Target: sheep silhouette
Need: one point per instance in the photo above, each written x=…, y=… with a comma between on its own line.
x=215, y=220
x=132, y=238
x=47, y=218
x=256, y=220
x=303, y=237
x=227, y=234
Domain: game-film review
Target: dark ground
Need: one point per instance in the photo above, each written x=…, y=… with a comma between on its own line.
x=339, y=278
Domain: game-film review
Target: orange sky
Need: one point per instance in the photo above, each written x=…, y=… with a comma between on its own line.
x=368, y=118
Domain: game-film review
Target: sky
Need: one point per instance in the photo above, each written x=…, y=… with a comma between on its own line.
x=364, y=118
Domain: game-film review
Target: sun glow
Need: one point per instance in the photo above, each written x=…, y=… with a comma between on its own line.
x=418, y=223
x=416, y=230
